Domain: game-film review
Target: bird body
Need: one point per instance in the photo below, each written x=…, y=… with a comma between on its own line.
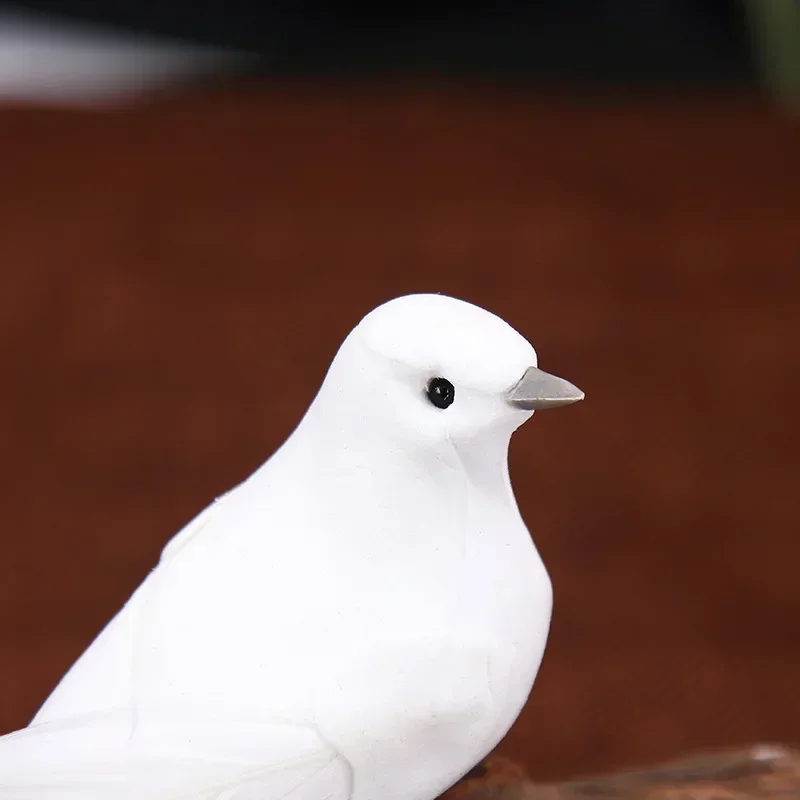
x=361, y=619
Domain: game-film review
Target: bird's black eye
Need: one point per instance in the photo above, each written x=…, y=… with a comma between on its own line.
x=441, y=392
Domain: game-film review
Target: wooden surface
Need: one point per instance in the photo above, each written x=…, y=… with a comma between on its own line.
x=176, y=279
x=763, y=771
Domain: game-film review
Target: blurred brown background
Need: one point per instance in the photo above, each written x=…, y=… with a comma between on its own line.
x=176, y=277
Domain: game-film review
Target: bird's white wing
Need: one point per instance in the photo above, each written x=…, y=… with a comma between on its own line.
x=120, y=756
x=192, y=528
x=101, y=677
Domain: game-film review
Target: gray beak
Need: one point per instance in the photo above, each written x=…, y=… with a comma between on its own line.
x=537, y=389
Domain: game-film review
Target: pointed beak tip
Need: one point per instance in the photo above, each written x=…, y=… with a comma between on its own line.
x=537, y=390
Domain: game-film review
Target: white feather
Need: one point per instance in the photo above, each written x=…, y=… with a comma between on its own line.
x=122, y=756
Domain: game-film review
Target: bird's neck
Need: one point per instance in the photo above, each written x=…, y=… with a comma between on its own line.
x=348, y=455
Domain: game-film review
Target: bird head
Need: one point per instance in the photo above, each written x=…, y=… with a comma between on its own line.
x=425, y=369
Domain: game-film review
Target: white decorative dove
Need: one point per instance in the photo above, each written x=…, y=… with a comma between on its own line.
x=361, y=619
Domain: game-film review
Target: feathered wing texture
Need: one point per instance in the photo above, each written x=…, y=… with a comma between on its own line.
x=193, y=527
x=102, y=676
x=125, y=755
x=117, y=756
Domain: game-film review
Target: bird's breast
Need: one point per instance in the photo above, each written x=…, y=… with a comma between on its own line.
x=273, y=605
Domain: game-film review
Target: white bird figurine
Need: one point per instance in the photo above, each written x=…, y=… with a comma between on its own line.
x=361, y=619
